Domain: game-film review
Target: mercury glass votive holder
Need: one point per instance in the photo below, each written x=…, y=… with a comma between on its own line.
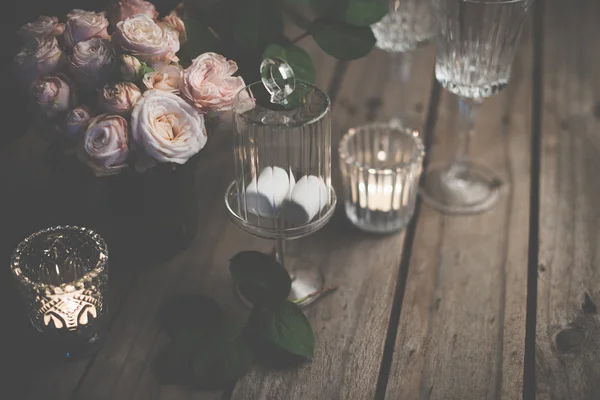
x=62, y=274
x=381, y=165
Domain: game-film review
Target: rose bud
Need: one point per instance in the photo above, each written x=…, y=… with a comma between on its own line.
x=166, y=78
x=128, y=8
x=167, y=128
x=77, y=122
x=130, y=68
x=53, y=94
x=104, y=147
x=176, y=23
x=145, y=39
x=84, y=25
x=119, y=98
x=208, y=83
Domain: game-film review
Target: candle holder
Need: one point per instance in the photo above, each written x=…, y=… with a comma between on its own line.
x=62, y=273
x=381, y=164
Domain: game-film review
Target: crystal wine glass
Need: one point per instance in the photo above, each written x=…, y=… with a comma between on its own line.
x=407, y=25
x=282, y=153
x=476, y=45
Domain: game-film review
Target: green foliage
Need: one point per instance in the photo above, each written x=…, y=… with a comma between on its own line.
x=245, y=30
x=364, y=12
x=209, y=351
x=342, y=40
x=296, y=57
x=259, y=277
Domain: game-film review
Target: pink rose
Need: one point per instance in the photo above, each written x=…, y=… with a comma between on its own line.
x=166, y=78
x=128, y=8
x=145, y=39
x=92, y=61
x=84, y=25
x=130, y=68
x=53, y=94
x=208, y=83
x=43, y=27
x=167, y=128
x=104, y=147
x=119, y=98
x=45, y=59
x=176, y=23
x=77, y=122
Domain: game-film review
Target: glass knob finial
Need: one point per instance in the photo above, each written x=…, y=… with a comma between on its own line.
x=278, y=78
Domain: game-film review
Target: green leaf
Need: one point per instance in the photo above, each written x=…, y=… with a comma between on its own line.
x=188, y=312
x=224, y=357
x=364, y=12
x=174, y=363
x=296, y=2
x=299, y=20
x=287, y=327
x=260, y=278
x=296, y=57
x=341, y=40
x=200, y=39
x=331, y=8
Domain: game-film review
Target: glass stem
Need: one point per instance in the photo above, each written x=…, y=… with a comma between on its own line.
x=468, y=110
x=402, y=64
x=279, y=251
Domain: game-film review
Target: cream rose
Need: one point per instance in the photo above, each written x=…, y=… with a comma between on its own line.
x=84, y=25
x=41, y=28
x=128, y=8
x=53, y=94
x=208, y=83
x=92, y=61
x=34, y=63
x=130, y=67
x=167, y=128
x=176, y=23
x=145, y=39
x=104, y=147
x=119, y=98
x=166, y=78
x=77, y=122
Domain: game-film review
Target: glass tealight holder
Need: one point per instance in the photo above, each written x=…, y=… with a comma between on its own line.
x=381, y=165
x=62, y=273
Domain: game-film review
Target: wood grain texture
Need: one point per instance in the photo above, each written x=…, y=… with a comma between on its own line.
x=568, y=327
x=461, y=333
x=351, y=324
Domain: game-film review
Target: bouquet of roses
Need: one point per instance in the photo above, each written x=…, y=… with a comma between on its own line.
x=112, y=85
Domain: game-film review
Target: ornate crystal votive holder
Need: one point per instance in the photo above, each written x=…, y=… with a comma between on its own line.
x=381, y=165
x=62, y=273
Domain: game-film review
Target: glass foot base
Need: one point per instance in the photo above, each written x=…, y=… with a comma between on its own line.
x=305, y=281
x=465, y=189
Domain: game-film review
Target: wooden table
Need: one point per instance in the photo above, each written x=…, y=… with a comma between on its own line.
x=500, y=305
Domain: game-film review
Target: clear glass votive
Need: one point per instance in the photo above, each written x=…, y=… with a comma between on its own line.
x=381, y=164
x=62, y=273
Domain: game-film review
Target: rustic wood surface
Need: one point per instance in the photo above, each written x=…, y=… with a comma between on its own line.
x=501, y=305
x=568, y=327
x=462, y=326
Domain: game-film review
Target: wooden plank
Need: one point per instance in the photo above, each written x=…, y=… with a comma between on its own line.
x=351, y=324
x=568, y=327
x=461, y=333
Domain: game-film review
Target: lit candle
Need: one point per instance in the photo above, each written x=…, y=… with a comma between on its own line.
x=63, y=273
